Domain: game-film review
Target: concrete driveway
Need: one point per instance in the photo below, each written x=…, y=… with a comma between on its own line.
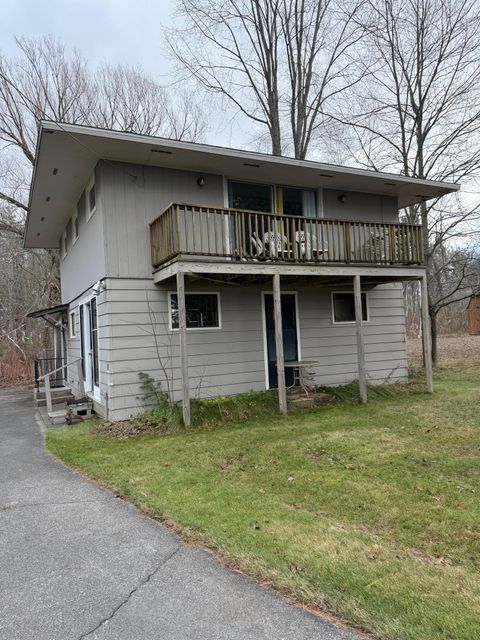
x=76, y=562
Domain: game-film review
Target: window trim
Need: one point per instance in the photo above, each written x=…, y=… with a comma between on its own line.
x=64, y=250
x=195, y=293
x=91, y=184
x=74, y=220
x=349, y=322
x=71, y=324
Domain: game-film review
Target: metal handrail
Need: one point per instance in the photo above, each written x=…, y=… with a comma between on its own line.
x=64, y=366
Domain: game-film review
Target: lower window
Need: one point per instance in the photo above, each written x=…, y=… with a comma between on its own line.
x=343, y=307
x=202, y=309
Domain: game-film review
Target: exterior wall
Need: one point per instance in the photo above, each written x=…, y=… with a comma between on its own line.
x=133, y=196
x=364, y=207
x=84, y=263
x=74, y=352
x=231, y=359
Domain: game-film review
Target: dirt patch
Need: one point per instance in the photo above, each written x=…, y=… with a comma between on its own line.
x=122, y=430
x=449, y=348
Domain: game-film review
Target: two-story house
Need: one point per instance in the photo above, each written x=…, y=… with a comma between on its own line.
x=216, y=270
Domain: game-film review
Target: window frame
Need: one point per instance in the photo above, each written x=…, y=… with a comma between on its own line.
x=343, y=322
x=63, y=248
x=195, y=293
x=71, y=324
x=74, y=223
x=91, y=185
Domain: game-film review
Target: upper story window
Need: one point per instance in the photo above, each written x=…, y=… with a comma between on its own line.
x=250, y=196
x=260, y=197
x=75, y=227
x=63, y=244
x=299, y=202
x=343, y=307
x=91, y=198
x=71, y=324
x=203, y=310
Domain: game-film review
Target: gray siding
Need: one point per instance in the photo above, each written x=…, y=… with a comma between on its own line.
x=365, y=207
x=84, y=263
x=231, y=359
x=133, y=196
x=74, y=352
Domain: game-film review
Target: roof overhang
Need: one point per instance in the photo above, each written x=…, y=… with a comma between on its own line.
x=67, y=155
x=54, y=313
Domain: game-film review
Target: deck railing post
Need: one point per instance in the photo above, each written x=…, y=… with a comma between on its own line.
x=277, y=313
x=362, y=375
x=426, y=336
x=182, y=329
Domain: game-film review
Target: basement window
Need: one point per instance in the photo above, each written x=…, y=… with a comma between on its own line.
x=203, y=310
x=343, y=307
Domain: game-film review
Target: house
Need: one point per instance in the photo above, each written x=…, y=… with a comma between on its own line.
x=200, y=265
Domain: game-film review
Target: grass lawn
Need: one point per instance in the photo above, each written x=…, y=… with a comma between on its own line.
x=368, y=512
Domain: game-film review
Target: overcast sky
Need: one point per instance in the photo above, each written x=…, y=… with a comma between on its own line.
x=113, y=31
x=127, y=31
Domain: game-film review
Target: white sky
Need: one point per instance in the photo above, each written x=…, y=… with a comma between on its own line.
x=126, y=31
x=113, y=31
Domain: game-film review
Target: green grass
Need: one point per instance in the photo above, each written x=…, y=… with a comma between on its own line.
x=368, y=512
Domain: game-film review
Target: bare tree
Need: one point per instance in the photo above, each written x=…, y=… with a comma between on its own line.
x=418, y=110
x=128, y=100
x=280, y=63
x=45, y=81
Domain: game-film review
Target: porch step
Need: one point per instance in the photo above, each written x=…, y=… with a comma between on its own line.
x=56, y=399
x=300, y=400
x=83, y=409
x=56, y=391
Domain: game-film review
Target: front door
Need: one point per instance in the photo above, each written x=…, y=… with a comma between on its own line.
x=89, y=346
x=290, y=339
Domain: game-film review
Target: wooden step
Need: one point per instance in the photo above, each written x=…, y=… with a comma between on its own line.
x=42, y=402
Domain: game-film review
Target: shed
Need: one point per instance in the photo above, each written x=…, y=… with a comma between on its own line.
x=473, y=314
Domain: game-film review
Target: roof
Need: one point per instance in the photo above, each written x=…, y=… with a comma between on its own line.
x=67, y=155
x=50, y=311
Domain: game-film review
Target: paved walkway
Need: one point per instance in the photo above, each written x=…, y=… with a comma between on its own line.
x=76, y=562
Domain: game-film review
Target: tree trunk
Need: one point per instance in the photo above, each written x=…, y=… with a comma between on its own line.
x=434, y=335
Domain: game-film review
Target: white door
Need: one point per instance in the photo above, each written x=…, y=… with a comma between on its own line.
x=89, y=346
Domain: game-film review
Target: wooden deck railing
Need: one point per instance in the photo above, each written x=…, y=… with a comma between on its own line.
x=191, y=230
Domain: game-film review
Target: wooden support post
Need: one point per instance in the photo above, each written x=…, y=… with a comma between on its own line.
x=48, y=393
x=362, y=375
x=182, y=327
x=426, y=336
x=277, y=313
x=81, y=386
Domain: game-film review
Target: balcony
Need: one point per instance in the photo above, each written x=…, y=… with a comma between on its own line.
x=220, y=234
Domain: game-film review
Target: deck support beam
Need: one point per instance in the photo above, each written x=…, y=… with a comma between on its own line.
x=362, y=374
x=182, y=330
x=426, y=336
x=277, y=314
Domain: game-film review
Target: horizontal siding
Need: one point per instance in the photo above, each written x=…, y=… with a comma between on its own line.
x=74, y=351
x=231, y=360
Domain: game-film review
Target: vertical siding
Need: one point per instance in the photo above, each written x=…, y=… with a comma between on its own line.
x=231, y=359
x=133, y=196
x=84, y=263
x=359, y=206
